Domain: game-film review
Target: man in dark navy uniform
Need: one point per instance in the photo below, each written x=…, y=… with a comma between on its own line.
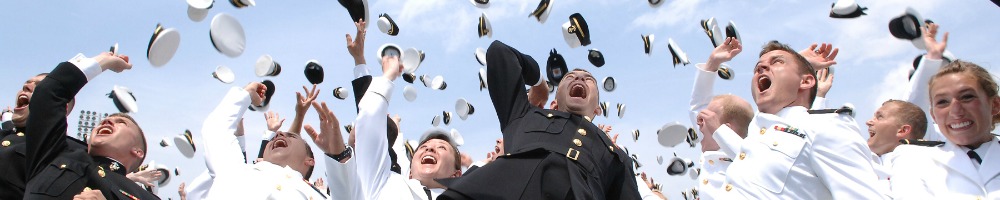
x=553, y=153
x=60, y=168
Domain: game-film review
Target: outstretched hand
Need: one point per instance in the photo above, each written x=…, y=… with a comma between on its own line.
x=114, y=62
x=274, y=121
x=935, y=49
x=357, y=46
x=146, y=177
x=303, y=102
x=824, y=81
x=329, y=138
x=821, y=58
x=724, y=53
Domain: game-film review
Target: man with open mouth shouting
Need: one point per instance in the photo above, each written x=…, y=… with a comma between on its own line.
x=553, y=153
x=790, y=153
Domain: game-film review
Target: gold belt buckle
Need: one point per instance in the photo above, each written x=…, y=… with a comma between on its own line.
x=572, y=154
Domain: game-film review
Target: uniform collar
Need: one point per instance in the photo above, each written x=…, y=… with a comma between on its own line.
x=268, y=166
x=111, y=164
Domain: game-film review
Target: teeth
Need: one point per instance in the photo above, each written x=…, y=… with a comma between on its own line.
x=431, y=158
x=961, y=125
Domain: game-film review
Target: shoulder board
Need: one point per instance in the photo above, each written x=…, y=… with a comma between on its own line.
x=843, y=110
x=925, y=143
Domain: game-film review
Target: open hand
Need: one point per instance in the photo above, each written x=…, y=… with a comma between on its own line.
x=329, y=138
x=820, y=58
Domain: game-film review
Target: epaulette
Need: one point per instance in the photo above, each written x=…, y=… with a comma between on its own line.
x=926, y=143
x=848, y=110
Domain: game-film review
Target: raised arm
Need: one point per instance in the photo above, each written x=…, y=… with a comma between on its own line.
x=302, y=104
x=222, y=149
x=47, y=121
x=704, y=81
x=507, y=71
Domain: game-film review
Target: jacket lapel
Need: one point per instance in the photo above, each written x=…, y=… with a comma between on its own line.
x=954, y=158
x=990, y=167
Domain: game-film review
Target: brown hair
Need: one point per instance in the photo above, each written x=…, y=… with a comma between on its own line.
x=910, y=114
x=141, y=141
x=733, y=111
x=458, y=156
x=976, y=72
x=804, y=66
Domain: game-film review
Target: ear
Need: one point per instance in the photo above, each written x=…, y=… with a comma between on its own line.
x=310, y=162
x=458, y=173
x=808, y=81
x=904, y=131
x=554, y=105
x=138, y=153
x=597, y=111
x=995, y=102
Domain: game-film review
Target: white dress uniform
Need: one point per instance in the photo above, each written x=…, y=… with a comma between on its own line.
x=714, y=163
x=946, y=172
x=234, y=179
x=920, y=94
x=796, y=155
x=713, y=175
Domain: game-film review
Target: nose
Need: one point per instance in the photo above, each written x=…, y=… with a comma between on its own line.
x=955, y=110
x=761, y=68
x=870, y=122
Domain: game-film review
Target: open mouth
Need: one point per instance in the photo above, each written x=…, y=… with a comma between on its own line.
x=279, y=143
x=105, y=130
x=496, y=149
x=871, y=133
x=578, y=91
x=960, y=125
x=763, y=83
x=22, y=101
x=428, y=160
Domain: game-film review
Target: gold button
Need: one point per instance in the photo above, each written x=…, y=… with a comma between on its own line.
x=711, y=162
x=704, y=181
x=612, y=148
x=279, y=187
x=86, y=189
x=100, y=171
x=20, y=134
x=577, y=142
x=729, y=187
x=743, y=155
x=549, y=115
x=582, y=132
x=587, y=118
x=6, y=143
x=762, y=130
x=63, y=166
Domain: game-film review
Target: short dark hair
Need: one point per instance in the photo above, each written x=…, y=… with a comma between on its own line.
x=309, y=152
x=910, y=114
x=142, y=138
x=804, y=66
x=458, y=156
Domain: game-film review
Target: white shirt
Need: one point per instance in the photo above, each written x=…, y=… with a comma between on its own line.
x=920, y=94
x=713, y=175
x=828, y=161
x=233, y=178
x=946, y=172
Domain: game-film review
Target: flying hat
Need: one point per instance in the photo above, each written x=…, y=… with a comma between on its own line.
x=349, y=128
x=464, y=108
x=386, y=25
x=341, y=93
x=410, y=60
x=647, y=42
x=485, y=29
x=711, y=28
x=946, y=56
x=655, y=3
x=436, y=120
x=671, y=134
x=164, y=142
x=162, y=45
x=446, y=117
x=266, y=66
x=609, y=84
x=692, y=137
x=358, y=9
x=679, y=57
x=635, y=159
x=185, y=143
x=576, y=31
x=457, y=137
x=409, y=77
x=124, y=99
x=198, y=9
x=267, y=97
x=408, y=145
x=659, y=159
x=604, y=108
x=224, y=74
x=732, y=32
x=725, y=72
x=177, y=171
x=621, y=110
x=907, y=27
x=390, y=49
x=227, y=35
x=481, y=3
x=846, y=9
x=481, y=56
x=552, y=87
x=243, y=3
x=541, y=12
x=438, y=83
x=635, y=135
x=114, y=49
x=410, y=93
x=482, y=79
x=314, y=72
x=164, y=175
x=555, y=67
x=426, y=80
x=595, y=57
x=678, y=165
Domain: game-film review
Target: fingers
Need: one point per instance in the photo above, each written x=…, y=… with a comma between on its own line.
x=812, y=47
x=312, y=132
x=349, y=41
x=944, y=40
x=833, y=55
x=322, y=117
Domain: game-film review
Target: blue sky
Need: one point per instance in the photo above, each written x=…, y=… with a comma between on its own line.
x=36, y=35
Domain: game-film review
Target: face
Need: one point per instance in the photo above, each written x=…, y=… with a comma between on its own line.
x=115, y=137
x=776, y=81
x=884, y=129
x=962, y=110
x=23, y=98
x=578, y=94
x=432, y=160
x=709, y=120
x=287, y=149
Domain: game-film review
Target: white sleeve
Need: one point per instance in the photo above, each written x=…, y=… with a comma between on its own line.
x=702, y=93
x=819, y=103
x=920, y=91
x=644, y=192
x=342, y=179
x=371, y=146
x=88, y=66
x=222, y=148
x=360, y=70
x=842, y=161
x=728, y=140
x=907, y=181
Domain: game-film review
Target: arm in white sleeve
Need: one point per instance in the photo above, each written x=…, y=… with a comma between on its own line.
x=222, y=148
x=841, y=159
x=702, y=93
x=920, y=91
x=360, y=70
x=819, y=103
x=371, y=146
x=728, y=140
x=342, y=179
x=88, y=66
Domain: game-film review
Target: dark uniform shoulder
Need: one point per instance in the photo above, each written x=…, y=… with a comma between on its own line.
x=925, y=143
x=847, y=109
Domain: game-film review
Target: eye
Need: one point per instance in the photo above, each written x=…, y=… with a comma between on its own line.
x=941, y=103
x=967, y=97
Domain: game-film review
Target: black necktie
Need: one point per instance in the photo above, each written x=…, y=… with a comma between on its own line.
x=972, y=154
x=429, y=192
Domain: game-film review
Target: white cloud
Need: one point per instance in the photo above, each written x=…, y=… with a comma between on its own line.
x=894, y=86
x=675, y=12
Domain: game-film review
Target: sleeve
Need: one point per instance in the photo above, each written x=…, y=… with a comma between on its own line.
x=838, y=151
x=920, y=91
x=360, y=86
x=506, y=71
x=819, y=103
x=48, y=114
x=222, y=150
x=342, y=179
x=625, y=184
x=701, y=93
x=371, y=145
x=906, y=181
x=729, y=141
x=644, y=192
x=361, y=70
